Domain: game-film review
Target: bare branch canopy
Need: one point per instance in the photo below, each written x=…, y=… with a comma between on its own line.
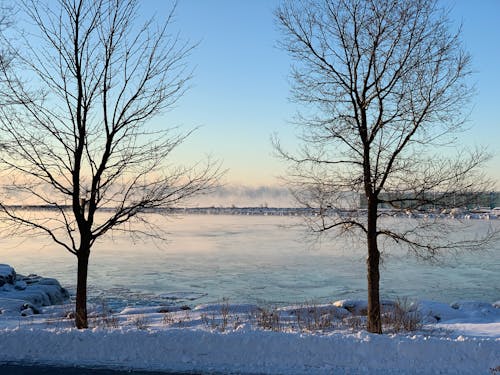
x=382, y=86
x=78, y=135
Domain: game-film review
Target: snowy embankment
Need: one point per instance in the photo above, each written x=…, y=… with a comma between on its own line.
x=250, y=351
x=308, y=339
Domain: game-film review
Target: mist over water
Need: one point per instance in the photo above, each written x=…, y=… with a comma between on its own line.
x=269, y=260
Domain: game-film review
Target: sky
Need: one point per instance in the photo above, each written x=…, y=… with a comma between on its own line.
x=239, y=95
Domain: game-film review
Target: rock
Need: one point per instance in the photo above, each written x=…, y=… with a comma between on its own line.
x=27, y=294
x=471, y=305
x=20, y=285
x=429, y=319
x=476, y=309
x=11, y=306
x=29, y=306
x=27, y=312
x=31, y=278
x=28, y=309
x=432, y=312
x=42, y=291
x=44, y=295
x=356, y=307
x=7, y=274
x=360, y=307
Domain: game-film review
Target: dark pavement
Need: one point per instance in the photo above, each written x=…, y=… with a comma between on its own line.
x=17, y=369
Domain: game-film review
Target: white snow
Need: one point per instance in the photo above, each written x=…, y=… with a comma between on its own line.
x=461, y=338
x=229, y=338
x=250, y=351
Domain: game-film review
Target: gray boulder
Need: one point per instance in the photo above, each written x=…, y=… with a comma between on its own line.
x=25, y=295
x=7, y=274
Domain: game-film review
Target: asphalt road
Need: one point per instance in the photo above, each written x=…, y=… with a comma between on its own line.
x=16, y=369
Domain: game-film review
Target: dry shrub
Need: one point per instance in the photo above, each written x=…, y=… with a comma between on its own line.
x=140, y=322
x=355, y=322
x=224, y=311
x=269, y=319
x=403, y=317
x=103, y=318
x=312, y=318
x=168, y=318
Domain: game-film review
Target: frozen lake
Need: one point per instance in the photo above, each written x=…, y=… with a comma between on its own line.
x=254, y=259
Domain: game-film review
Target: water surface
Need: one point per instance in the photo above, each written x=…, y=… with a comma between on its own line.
x=253, y=259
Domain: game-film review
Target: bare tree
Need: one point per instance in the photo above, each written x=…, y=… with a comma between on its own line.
x=78, y=137
x=6, y=16
x=382, y=83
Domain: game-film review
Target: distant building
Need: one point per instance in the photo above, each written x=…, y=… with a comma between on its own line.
x=404, y=200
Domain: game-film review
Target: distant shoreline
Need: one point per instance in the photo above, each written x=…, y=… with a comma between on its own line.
x=477, y=213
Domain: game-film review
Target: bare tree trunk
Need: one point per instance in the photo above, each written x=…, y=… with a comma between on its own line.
x=81, y=290
x=373, y=274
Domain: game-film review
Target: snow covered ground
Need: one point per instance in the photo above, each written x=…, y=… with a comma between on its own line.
x=462, y=338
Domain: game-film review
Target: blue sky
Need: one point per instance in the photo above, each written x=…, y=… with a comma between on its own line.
x=240, y=90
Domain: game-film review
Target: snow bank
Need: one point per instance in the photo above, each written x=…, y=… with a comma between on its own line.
x=465, y=341
x=251, y=351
